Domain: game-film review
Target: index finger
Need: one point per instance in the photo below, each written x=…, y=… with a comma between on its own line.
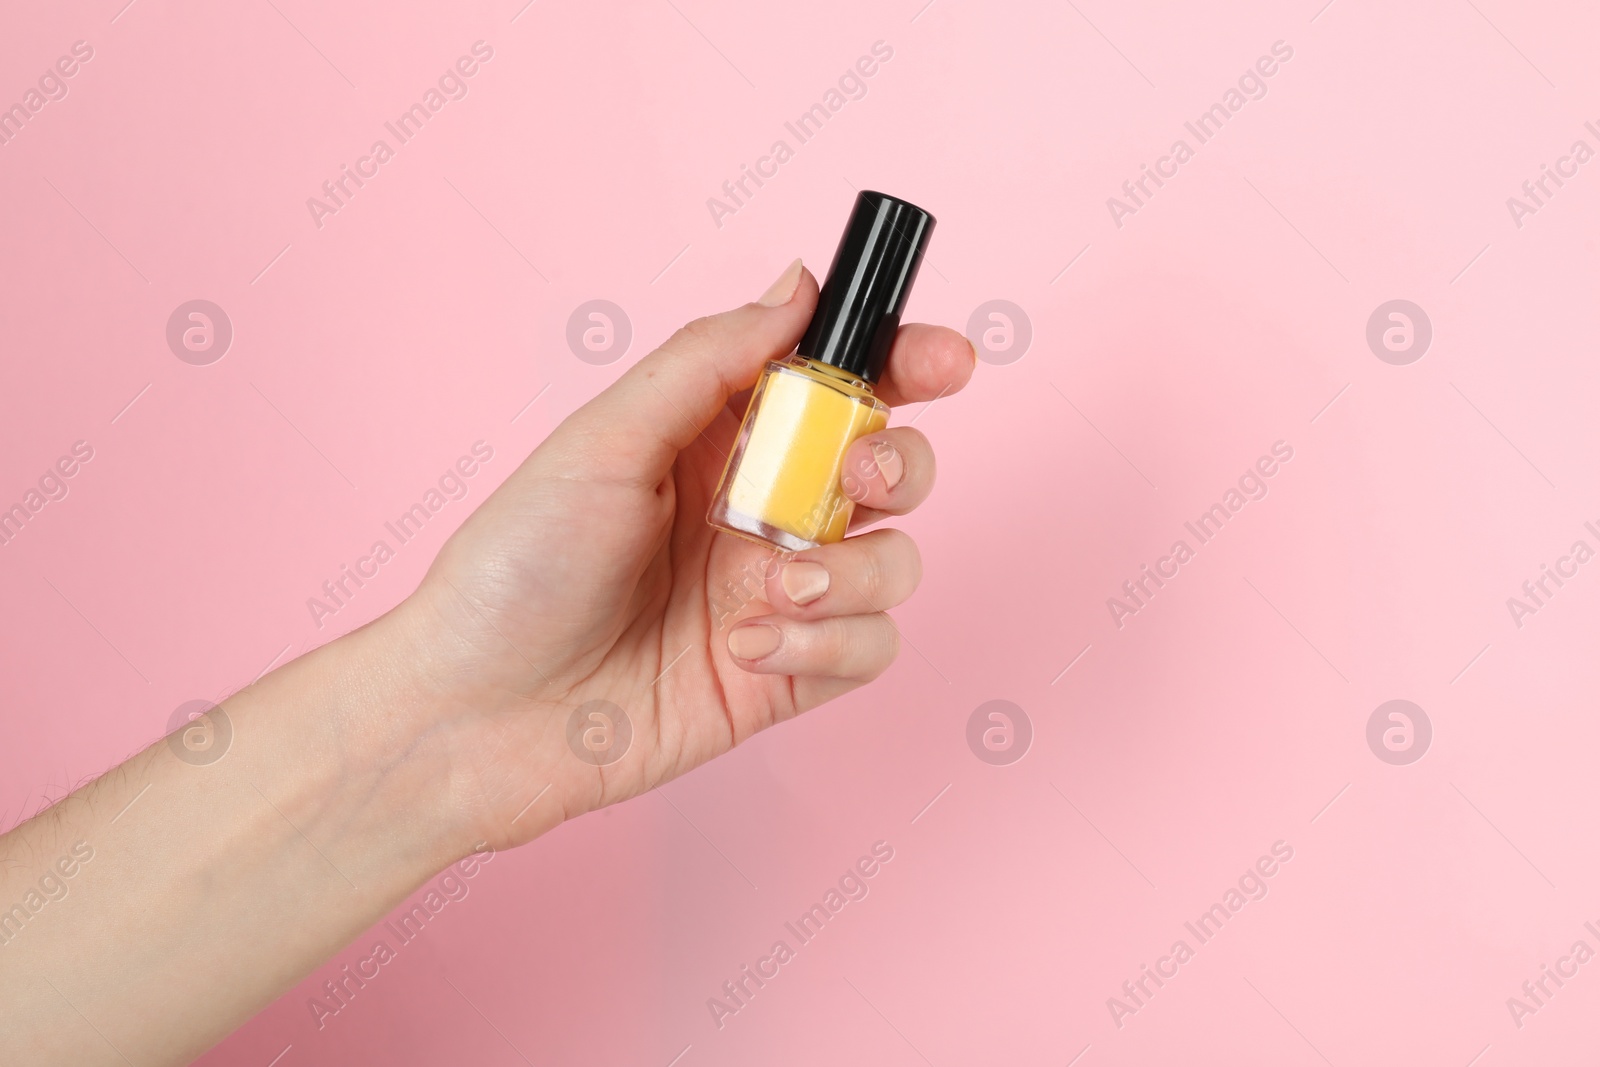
x=925, y=363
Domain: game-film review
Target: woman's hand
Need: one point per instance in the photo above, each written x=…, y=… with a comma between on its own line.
x=592, y=576
x=351, y=775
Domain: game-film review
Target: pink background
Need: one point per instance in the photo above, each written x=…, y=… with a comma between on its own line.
x=1222, y=317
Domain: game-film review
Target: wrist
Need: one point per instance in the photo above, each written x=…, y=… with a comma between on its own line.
x=346, y=741
x=486, y=742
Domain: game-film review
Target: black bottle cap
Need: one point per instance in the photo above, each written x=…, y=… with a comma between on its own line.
x=865, y=293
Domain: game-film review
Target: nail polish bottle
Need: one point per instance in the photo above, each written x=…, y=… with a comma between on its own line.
x=781, y=486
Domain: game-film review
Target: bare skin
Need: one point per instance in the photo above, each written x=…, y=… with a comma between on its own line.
x=357, y=772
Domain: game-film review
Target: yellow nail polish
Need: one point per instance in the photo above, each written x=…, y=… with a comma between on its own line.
x=781, y=484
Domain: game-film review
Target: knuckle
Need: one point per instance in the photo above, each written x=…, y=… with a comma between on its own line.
x=886, y=646
x=891, y=641
x=914, y=565
x=873, y=578
x=861, y=646
x=837, y=640
x=697, y=333
x=898, y=566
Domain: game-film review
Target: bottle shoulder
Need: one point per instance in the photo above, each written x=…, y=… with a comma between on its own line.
x=832, y=378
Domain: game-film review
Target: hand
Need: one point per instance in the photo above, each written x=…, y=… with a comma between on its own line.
x=360, y=770
x=591, y=574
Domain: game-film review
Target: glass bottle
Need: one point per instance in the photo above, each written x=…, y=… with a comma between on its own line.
x=782, y=483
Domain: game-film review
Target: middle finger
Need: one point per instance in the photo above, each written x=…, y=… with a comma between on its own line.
x=868, y=573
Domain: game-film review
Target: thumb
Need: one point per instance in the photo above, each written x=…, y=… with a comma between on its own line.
x=635, y=429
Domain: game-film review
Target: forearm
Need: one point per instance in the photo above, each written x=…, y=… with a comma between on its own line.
x=200, y=891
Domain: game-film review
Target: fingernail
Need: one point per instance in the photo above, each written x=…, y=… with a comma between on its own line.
x=753, y=642
x=804, y=581
x=783, y=288
x=890, y=463
x=974, y=346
